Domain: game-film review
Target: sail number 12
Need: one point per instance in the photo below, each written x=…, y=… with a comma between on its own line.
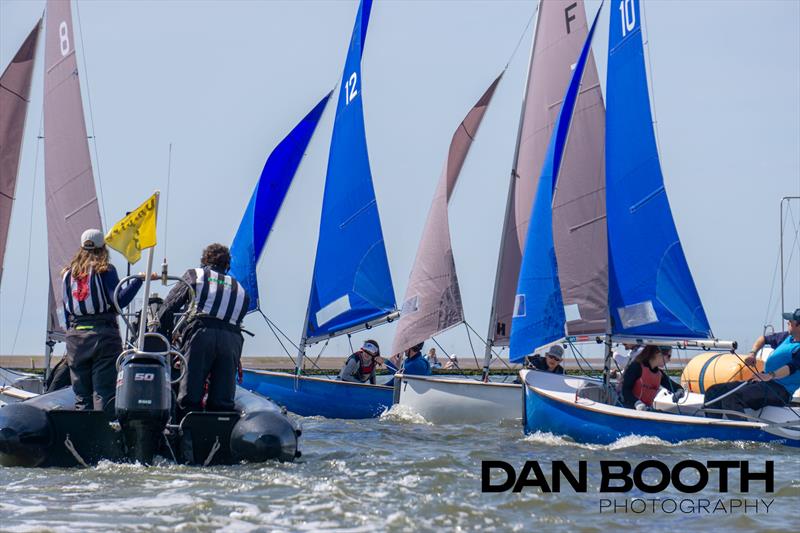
x=627, y=13
x=350, y=91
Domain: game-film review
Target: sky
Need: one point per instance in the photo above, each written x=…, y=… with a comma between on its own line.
x=224, y=82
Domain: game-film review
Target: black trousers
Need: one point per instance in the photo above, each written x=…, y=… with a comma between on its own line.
x=754, y=395
x=212, y=354
x=92, y=352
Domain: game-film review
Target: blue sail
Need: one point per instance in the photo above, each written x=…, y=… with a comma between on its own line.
x=352, y=284
x=539, y=316
x=266, y=201
x=651, y=290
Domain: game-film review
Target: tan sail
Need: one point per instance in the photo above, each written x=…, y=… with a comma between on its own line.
x=15, y=90
x=433, y=301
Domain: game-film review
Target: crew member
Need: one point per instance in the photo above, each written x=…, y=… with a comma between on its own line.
x=360, y=366
x=92, y=337
x=773, y=341
x=551, y=362
x=645, y=376
x=415, y=364
x=775, y=386
x=212, y=341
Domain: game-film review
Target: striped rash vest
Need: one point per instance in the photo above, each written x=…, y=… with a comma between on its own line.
x=86, y=295
x=218, y=295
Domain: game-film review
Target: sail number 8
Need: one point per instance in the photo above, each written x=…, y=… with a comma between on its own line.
x=63, y=38
x=350, y=91
x=627, y=13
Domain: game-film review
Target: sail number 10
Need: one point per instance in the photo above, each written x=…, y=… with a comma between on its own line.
x=627, y=12
x=350, y=91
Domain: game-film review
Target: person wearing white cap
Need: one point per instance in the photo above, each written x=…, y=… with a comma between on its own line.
x=92, y=336
x=360, y=366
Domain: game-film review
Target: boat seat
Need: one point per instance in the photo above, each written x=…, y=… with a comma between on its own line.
x=596, y=392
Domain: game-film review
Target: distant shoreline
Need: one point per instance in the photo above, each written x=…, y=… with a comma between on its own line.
x=328, y=364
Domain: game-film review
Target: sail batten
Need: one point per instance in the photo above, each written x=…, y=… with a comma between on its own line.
x=15, y=90
x=432, y=303
x=559, y=36
x=71, y=199
x=352, y=284
x=540, y=315
x=266, y=201
x=651, y=289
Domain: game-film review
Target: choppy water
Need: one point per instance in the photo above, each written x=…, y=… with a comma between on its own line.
x=396, y=473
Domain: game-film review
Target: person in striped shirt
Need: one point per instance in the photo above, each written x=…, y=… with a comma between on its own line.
x=212, y=340
x=92, y=335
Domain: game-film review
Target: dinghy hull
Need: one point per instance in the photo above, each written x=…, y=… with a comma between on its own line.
x=47, y=431
x=459, y=401
x=310, y=396
x=552, y=405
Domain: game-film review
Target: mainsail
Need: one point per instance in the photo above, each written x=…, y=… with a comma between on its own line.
x=15, y=90
x=560, y=33
x=433, y=301
x=352, y=285
x=651, y=290
x=71, y=200
x=539, y=314
x=266, y=201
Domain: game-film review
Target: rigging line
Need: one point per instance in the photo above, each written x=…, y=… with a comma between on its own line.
x=772, y=287
x=91, y=114
x=350, y=341
x=166, y=215
x=495, y=355
x=30, y=234
x=471, y=347
x=786, y=405
x=522, y=36
x=576, y=353
x=652, y=79
x=276, y=336
x=321, y=351
x=451, y=359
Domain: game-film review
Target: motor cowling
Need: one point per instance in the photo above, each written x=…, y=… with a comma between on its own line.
x=143, y=403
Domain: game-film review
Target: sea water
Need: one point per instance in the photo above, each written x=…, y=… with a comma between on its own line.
x=394, y=473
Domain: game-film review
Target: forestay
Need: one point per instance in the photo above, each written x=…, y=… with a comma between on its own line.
x=539, y=315
x=352, y=284
x=15, y=90
x=71, y=199
x=433, y=300
x=560, y=33
x=651, y=290
x=266, y=201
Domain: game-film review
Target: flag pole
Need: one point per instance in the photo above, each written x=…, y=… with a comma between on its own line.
x=143, y=317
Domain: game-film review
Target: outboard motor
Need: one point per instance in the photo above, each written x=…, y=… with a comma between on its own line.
x=144, y=398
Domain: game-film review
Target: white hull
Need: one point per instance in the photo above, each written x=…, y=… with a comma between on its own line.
x=458, y=401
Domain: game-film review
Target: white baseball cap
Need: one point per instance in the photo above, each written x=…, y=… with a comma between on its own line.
x=92, y=239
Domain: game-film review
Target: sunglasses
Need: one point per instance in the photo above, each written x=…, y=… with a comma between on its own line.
x=553, y=357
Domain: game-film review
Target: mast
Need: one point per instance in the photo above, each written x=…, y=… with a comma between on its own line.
x=487, y=357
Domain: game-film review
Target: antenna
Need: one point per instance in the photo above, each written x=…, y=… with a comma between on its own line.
x=166, y=217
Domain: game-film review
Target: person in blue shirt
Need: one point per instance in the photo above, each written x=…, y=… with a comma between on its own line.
x=415, y=364
x=775, y=386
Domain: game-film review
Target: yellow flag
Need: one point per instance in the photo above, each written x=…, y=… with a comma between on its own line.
x=135, y=232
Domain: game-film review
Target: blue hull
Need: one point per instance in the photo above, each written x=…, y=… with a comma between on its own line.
x=551, y=415
x=309, y=396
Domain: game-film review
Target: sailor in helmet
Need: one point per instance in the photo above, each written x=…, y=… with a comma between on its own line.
x=92, y=337
x=360, y=366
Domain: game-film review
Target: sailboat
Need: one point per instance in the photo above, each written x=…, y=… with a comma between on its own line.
x=15, y=89
x=71, y=198
x=651, y=297
x=559, y=35
x=352, y=287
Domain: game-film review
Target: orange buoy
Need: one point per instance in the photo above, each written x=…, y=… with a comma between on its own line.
x=709, y=369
